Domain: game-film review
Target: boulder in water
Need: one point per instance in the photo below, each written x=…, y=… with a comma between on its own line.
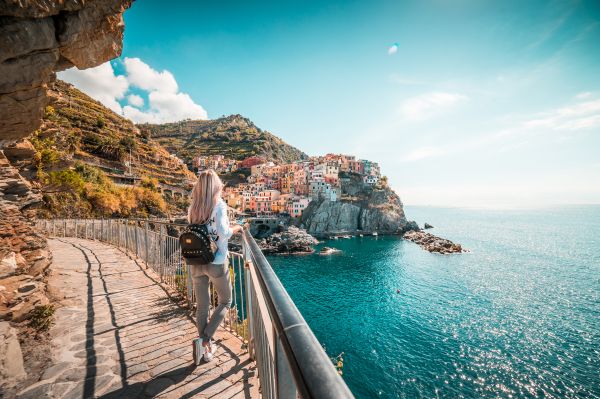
x=291, y=241
x=432, y=243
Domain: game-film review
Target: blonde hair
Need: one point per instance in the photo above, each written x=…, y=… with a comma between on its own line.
x=205, y=194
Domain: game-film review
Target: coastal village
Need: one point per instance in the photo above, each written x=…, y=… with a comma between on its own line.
x=287, y=189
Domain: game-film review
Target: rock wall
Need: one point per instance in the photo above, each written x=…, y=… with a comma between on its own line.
x=11, y=358
x=40, y=37
x=362, y=208
x=24, y=253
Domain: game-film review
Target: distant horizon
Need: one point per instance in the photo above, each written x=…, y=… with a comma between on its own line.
x=507, y=207
x=462, y=104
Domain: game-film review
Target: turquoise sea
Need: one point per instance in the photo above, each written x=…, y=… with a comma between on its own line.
x=518, y=317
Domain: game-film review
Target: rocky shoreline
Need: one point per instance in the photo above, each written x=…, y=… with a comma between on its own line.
x=297, y=241
x=432, y=243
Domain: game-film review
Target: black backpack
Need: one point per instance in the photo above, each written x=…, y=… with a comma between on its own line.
x=197, y=245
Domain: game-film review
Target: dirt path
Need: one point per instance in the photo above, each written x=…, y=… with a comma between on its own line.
x=118, y=335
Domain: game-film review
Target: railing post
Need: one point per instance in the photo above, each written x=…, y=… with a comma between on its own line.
x=249, y=304
x=146, y=249
x=135, y=230
x=126, y=225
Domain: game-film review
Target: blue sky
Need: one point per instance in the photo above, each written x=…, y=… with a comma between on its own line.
x=484, y=103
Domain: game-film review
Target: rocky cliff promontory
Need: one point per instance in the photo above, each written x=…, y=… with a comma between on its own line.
x=362, y=208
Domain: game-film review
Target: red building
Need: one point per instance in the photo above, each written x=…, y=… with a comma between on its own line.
x=251, y=161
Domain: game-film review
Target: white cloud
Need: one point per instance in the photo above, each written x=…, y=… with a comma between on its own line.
x=422, y=153
x=135, y=100
x=583, y=115
x=584, y=95
x=393, y=49
x=166, y=107
x=140, y=74
x=99, y=83
x=427, y=105
x=165, y=103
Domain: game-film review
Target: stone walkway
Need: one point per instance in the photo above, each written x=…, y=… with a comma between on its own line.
x=118, y=335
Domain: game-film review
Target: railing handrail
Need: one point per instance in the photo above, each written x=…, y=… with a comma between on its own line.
x=291, y=362
x=311, y=368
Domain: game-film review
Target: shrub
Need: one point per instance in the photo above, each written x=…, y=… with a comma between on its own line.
x=145, y=134
x=100, y=122
x=68, y=180
x=110, y=149
x=129, y=201
x=128, y=143
x=104, y=202
x=92, y=139
x=150, y=183
x=72, y=142
x=94, y=175
x=150, y=202
x=41, y=317
x=47, y=157
x=49, y=111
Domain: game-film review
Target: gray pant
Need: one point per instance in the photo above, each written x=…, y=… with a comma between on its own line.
x=219, y=276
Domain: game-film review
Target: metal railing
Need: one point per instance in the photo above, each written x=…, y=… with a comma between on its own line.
x=290, y=360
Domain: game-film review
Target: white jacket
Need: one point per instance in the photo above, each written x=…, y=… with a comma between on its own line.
x=219, y=230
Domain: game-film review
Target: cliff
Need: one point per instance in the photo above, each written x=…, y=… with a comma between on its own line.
x=84, y=153
x=234, y=136
x=40, y=37
x=362, y=208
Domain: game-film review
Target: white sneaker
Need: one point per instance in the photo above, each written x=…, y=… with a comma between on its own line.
x=209, y=355
x=197, y=350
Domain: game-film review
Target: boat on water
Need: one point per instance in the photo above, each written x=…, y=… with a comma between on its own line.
x=329, y=251
x=375, y=234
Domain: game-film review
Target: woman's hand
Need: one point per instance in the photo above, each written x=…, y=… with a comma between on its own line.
x=237, y=229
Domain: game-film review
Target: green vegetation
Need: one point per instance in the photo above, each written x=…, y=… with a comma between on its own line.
x=84, y=154
x=241, y=328
x=233, y=136
x=181, y=284
x=86, y=191
x=41, y=317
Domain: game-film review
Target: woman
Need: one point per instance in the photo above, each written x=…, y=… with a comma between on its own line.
x=208, y=208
